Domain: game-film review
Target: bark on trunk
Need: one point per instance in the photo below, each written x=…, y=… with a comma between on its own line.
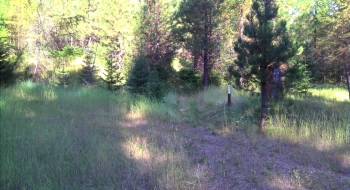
x=205, y=56
x=346, y=68
x=347, y=80
x=206, y=70
x=263, y=107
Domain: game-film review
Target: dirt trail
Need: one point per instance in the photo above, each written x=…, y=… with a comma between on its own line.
x=238, y=161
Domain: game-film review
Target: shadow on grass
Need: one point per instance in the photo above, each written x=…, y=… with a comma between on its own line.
x=239, y=159
x=71, y=141
x=88, y=139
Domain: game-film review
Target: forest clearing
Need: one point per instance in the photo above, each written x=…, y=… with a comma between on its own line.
x=175, y=94
x=89, y=138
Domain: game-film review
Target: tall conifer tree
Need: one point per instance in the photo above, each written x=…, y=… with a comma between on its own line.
x=195, y=25
x=265, y=43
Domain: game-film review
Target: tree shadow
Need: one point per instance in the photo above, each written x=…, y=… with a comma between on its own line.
x=80, y=139
x=240, y=161
x=70, y=141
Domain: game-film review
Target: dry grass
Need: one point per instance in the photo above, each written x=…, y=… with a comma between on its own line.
x=83, y=138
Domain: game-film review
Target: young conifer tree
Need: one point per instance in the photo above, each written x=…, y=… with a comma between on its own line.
x=265, y=43
x=138, y=76
x=87, y=73
x=112, y=76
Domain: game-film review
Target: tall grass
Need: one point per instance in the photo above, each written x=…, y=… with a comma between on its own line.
x=208, y=108
x=322, y=117
x=82, y=138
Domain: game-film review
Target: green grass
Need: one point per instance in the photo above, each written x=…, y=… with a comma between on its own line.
x=83, y=138
x=89, y=138
x=322, y=117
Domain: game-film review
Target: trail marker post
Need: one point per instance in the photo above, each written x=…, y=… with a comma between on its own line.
x=229, y=94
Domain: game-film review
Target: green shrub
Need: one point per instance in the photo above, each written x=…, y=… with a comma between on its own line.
x=216, y=78
x=189, y=81
x=298, y=77
x=156, y=87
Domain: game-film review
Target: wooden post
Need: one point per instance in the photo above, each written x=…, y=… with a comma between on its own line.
x=229, y=94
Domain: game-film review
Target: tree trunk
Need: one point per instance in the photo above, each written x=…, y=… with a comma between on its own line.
x=205, y=56
x=263, y=91
x=346, y=69
x=347, y=80
x=206, y=70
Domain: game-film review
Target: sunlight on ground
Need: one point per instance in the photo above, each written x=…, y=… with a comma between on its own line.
x=137, y=149
x=331, y=94
x=341, y=96
x=134, y=120
x=283, y=182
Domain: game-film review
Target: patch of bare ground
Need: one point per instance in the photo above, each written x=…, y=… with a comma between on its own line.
x=239, y=161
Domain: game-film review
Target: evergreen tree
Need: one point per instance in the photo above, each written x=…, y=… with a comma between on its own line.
x=63, y=76
x=265, y=44
x=298, y=77
x=88, y=71
x=195, y=26
x=156, y=87
x=138, y=77
x=112, y=76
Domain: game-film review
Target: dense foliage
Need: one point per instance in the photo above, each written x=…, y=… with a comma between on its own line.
x=199, y=33
x=6, y=69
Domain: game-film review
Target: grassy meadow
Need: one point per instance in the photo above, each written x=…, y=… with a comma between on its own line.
x=89, y=138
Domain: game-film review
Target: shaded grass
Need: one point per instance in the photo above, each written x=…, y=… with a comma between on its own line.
x=83, y=138
x=88, y=138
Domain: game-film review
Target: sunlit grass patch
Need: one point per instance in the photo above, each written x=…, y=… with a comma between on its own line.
x=334, y=93
x=321, y=118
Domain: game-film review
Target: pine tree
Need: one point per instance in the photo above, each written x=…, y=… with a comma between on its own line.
x=112, y=76
x=195, y=25
x=156, y=87
x=63, y=76
x=265, y=44
x=88, y=71
x=138, y=77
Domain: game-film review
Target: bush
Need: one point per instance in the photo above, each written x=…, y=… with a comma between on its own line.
x=298, y=77
x=156, y=87
x=216, y=78
x=189, y=81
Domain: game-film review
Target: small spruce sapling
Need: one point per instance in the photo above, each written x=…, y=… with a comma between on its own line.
x=112, y=76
